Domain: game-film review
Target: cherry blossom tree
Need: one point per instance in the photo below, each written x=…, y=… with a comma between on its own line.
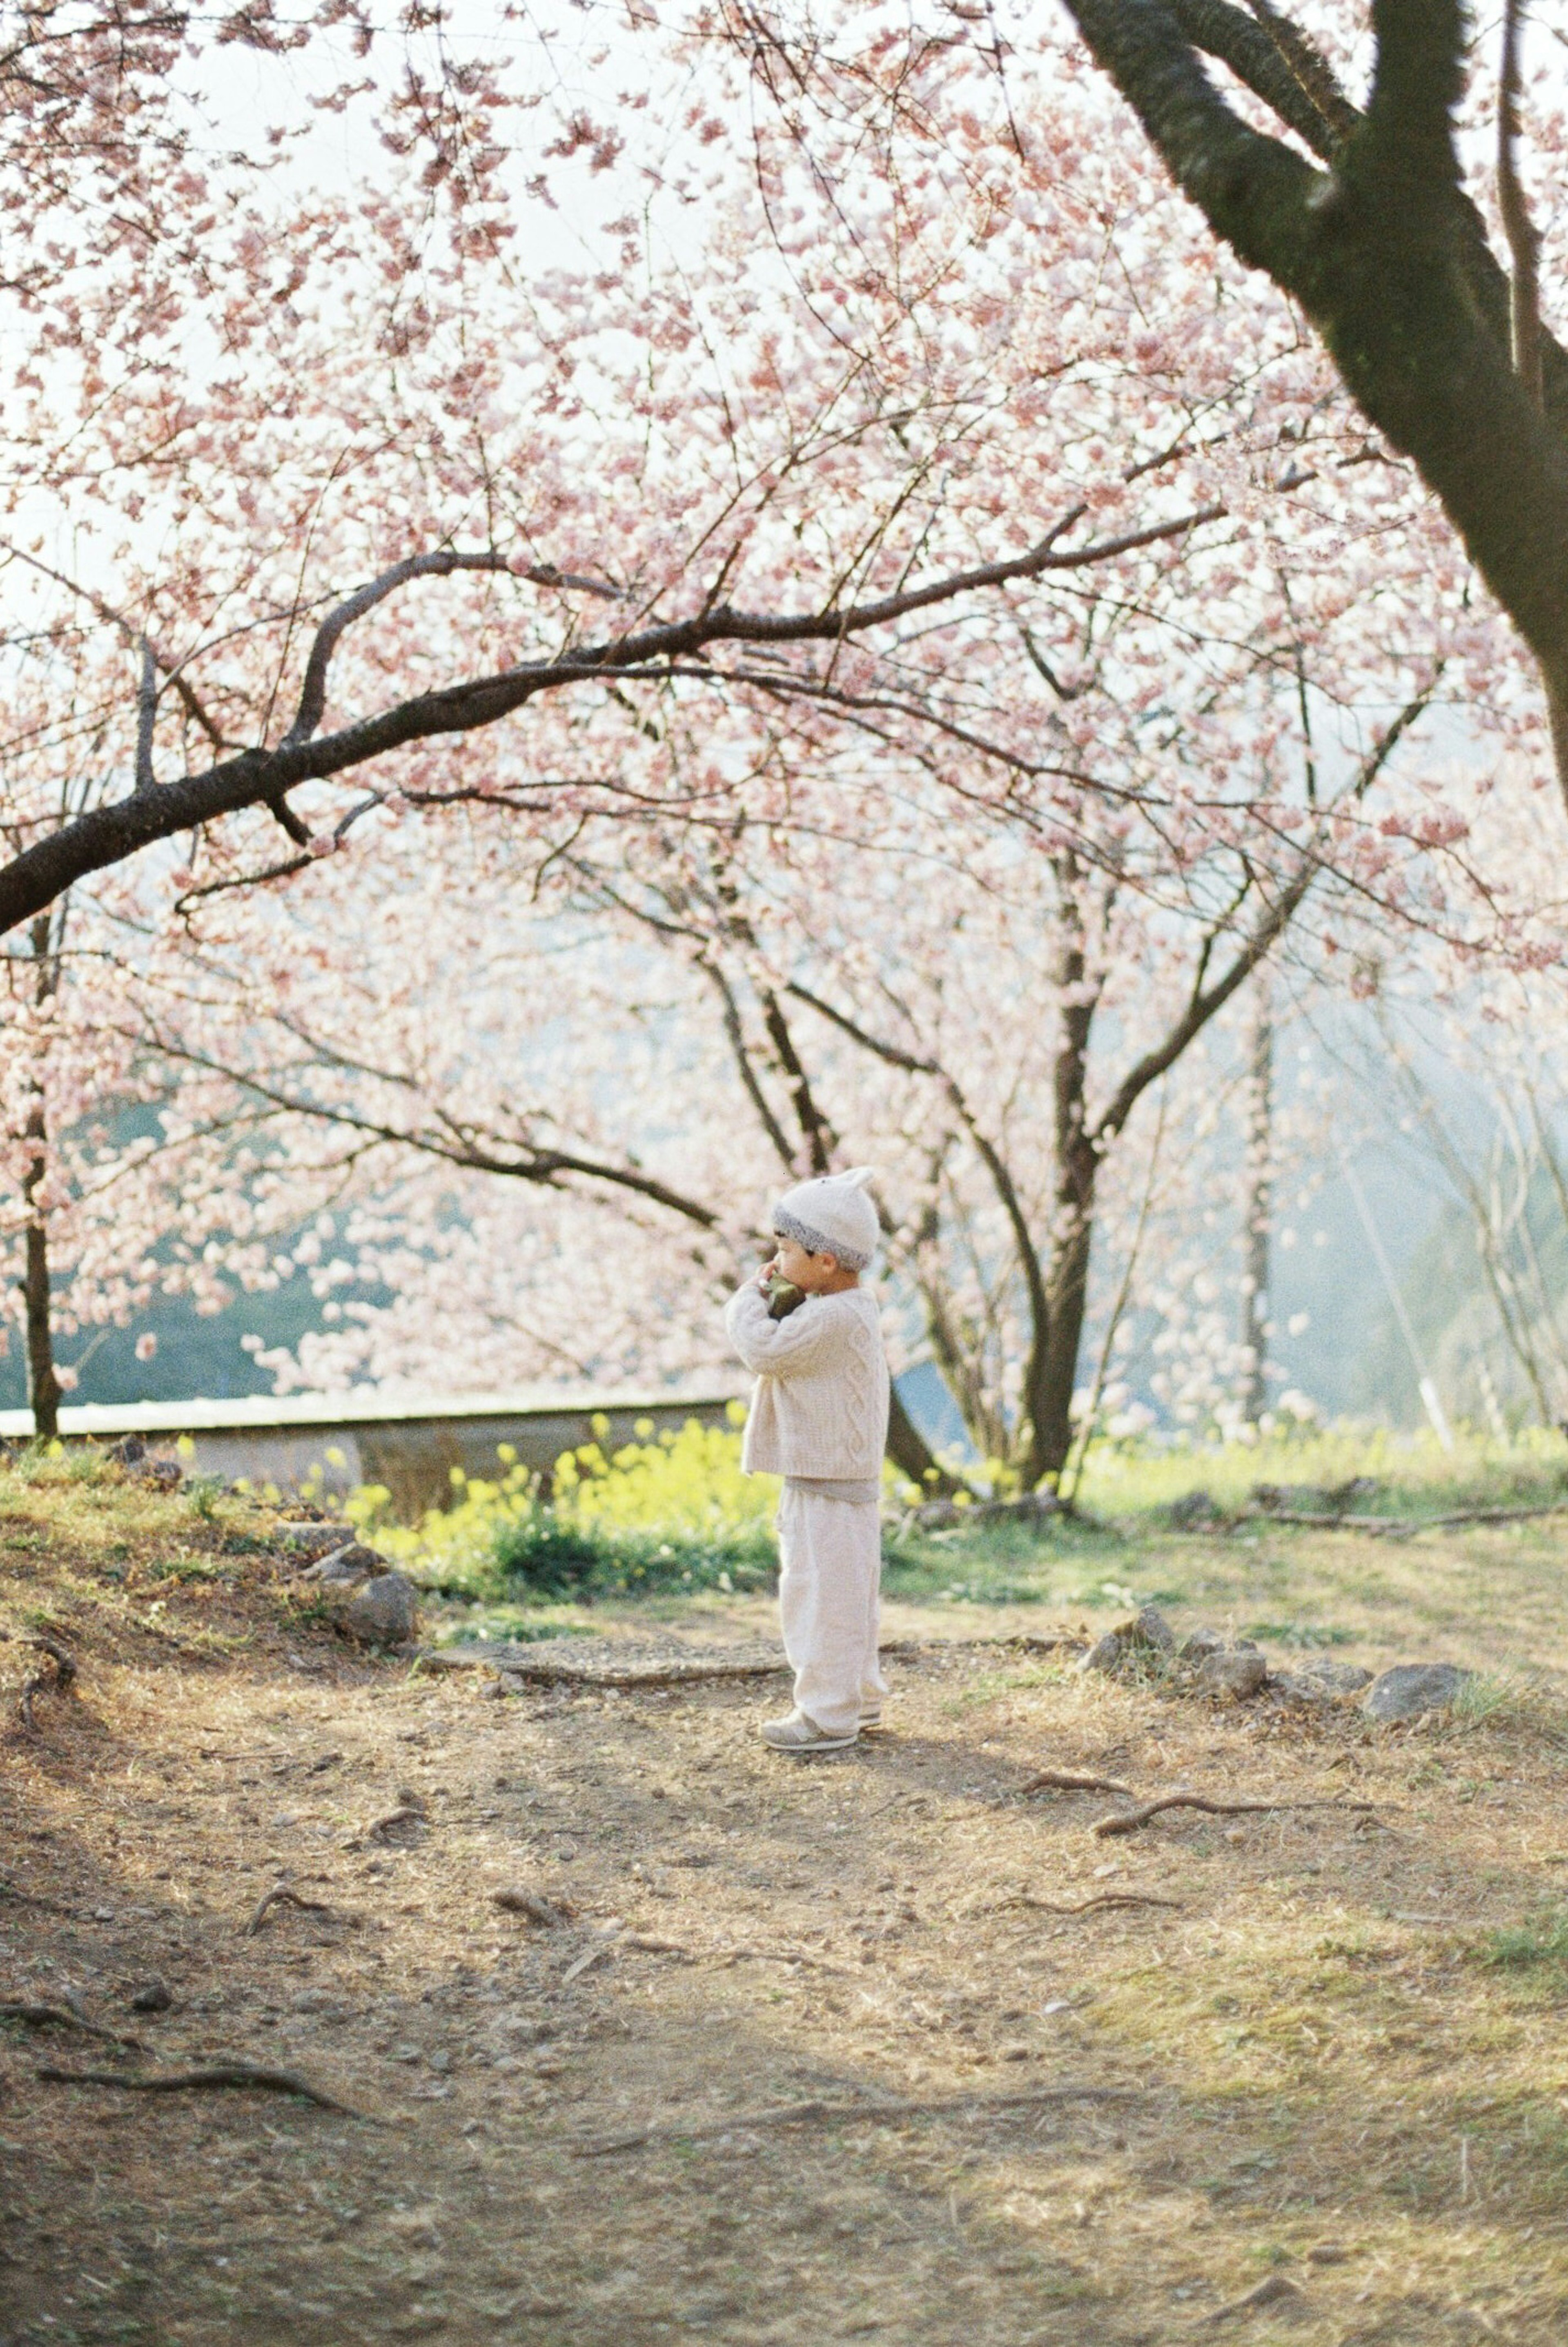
x=866, y=521
x=1359, y=212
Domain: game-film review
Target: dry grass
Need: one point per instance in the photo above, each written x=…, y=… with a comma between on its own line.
x=1341, y=2050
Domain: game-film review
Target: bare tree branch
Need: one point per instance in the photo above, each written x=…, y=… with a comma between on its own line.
x=1205, y=1001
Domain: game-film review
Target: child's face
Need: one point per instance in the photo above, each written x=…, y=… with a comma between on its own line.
x=810, y=1273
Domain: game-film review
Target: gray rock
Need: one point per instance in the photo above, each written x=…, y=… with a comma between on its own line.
x=1236, y=1674
x=1150, y=1628
x=351, y=1561
x=1323, y=1682
x=1193, y=1511
x=153, y=1996
x=1411, y=1688
x=384, y=1612
x=307, y=1533
x=1141, y=1636
x=1199, y=1645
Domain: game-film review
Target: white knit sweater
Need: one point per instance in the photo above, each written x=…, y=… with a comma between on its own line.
x=819, y=1408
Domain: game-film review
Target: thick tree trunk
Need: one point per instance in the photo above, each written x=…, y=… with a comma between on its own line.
x=1258, y=1213
x=1387, y=255
x=43, y=1385
x=912, y=1455
x=1067, y=1287
x=1059, y=1314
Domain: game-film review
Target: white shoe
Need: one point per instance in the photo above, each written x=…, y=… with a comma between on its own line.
x=871, y=1721
x=799, y=1733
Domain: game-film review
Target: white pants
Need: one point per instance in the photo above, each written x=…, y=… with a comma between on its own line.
x=830, y=1564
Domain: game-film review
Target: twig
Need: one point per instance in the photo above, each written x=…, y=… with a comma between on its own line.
x=1131, y=1819
x=209, y=2073
x=589, y=1957
x=280, y=1895
x=650, y=1946
x=57, y=2016
x=883, y=2107
x=1064, y=1780
x=1085, y=1906
x=529, y=1903
x=781, y=1956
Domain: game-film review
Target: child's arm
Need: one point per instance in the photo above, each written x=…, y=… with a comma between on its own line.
x=776, y=1348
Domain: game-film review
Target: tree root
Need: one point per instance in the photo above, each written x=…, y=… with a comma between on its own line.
x=520, y=1662
x=831, y=2113
x=209, y=2073
x=779, y=1956
x=65, y=1675
x=57, y=2016
x=1129, y=1820
x=280, y=1895
x=383, y=1826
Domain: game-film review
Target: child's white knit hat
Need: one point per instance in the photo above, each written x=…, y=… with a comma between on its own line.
x=832, y=1215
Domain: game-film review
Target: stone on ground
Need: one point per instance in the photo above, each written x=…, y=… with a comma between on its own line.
x=351, y=1562
x=1139, y=1637
x=383, y=1611
x=1323, y=1682
x=1236, y=1674
x=1410, y=1688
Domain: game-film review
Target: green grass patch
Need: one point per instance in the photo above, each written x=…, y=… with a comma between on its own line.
x=1411, y=1473
x=1537, y=1947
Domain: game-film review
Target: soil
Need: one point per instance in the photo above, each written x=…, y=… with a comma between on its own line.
x=810, y=2050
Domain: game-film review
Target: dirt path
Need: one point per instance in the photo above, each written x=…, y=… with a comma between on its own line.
x=798, y=2060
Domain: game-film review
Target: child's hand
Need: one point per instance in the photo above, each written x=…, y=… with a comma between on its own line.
x=768, y=1273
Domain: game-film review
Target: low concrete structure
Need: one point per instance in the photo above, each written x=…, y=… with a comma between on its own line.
x=334, y=1441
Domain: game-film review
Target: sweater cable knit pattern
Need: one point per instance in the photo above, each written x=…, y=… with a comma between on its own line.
x=819, y=1408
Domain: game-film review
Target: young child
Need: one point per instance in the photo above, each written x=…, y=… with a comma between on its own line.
x=819, y=1418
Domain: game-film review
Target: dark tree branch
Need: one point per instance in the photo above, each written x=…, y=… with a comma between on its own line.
x=257, y=777
x=1523, y=236
x=1389, y=261
x=332, y=628
x=816, y=1130
x=1267, y=53
x=146, y=717
x=1310, y=69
